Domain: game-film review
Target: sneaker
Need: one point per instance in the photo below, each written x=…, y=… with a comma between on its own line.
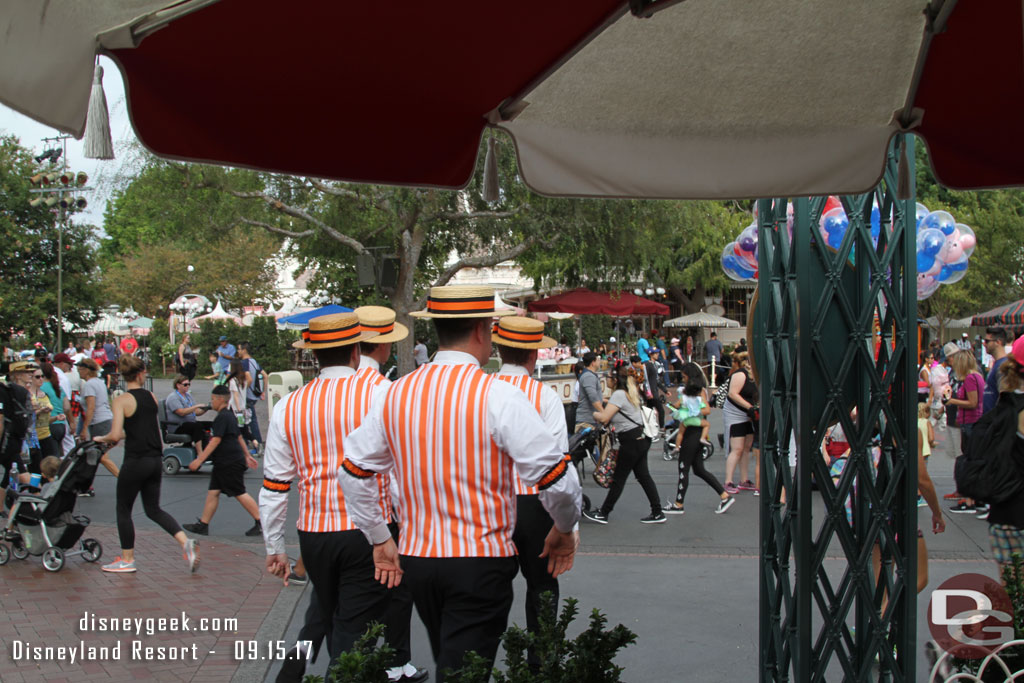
x=757, y=492
x=89, y=494
x=952, y=496
x=296, y=580
x=921, y=502
x=119, y=566
x=706, y=442
x=192, y=555
x=731, y=488
x=596, y=516
x=747, y=486
x=983, y=513
x=724, y=504
x=962, y=508
x=256, y=530
x=673, y=509
x=654, y=518
x=199, y=527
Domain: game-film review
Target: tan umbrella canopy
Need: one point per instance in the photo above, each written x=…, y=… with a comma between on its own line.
x=723, y=98
x=700, y=319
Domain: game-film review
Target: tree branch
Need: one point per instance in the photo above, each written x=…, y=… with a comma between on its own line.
x=480, y=214
x=275, y=229
x=295, y=212
x=334, y=190
x=491, y=259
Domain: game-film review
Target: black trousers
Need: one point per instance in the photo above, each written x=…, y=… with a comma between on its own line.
x=140, y=475
x=632, y=460
x=194, y=430
x=340, y=565
x=690, y=456
x=463, y=602
x=532, y=526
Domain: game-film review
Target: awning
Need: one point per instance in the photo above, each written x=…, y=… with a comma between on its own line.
x=1008, y=314
x=700, y=319
x=705, y=99
x=584, y=301
x=300, y=321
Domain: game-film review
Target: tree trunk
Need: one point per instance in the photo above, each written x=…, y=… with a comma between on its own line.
x=404, y=298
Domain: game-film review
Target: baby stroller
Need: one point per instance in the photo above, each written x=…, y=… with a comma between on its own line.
x=44, y=523
x=583, y=444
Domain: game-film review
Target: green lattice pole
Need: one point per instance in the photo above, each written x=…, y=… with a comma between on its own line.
x=835, y=330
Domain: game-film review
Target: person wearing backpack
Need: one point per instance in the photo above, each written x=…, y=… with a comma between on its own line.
x=256, y=391
x=968, y=402
x=1006, y=518
x=15, y=407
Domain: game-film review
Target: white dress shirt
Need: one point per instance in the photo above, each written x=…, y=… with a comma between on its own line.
x=279, y=465
x=516, y=429
x=551, y=410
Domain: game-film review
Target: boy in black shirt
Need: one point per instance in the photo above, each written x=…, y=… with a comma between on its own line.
x=230, y=458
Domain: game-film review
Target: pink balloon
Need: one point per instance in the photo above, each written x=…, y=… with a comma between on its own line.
x=954, y=252
x=967, y=241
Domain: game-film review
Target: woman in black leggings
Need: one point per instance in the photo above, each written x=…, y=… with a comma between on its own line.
x=135, y=420
x=690, y=451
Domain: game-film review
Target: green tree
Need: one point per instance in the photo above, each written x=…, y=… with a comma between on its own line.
x=28, y=261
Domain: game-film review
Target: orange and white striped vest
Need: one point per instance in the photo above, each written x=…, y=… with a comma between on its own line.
x=532, y=388
x=317, y=418
x=456, y=486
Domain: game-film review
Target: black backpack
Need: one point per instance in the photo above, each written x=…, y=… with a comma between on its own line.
x=989, y=470
x=16, y=407
x=257, y=377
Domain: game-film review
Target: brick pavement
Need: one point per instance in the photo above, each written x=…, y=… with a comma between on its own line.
x=45, y=608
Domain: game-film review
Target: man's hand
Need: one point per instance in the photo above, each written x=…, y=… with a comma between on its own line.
x=195, y=465
x=938, y=524
x=560, y=549
x=385, y=564
x=278, y=566
x=251, y=462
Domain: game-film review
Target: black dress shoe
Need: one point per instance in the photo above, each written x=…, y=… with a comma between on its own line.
x=292, y=670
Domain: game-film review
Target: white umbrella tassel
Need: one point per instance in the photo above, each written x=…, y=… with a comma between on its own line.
x=98, y=143
x=491, y=191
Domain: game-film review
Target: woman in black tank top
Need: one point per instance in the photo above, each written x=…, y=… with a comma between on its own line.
x=136, y=421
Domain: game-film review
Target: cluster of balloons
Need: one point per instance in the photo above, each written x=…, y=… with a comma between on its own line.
x=943, y=250
x=943, y=245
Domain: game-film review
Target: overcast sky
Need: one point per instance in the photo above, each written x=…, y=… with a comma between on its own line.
x=103, y=175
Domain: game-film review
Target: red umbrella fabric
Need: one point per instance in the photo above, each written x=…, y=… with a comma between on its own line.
x=583, y=301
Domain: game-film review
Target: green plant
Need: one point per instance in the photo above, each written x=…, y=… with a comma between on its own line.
x=366, y=662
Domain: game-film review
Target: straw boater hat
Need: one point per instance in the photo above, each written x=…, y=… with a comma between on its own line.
x=460, y=301
x=521, y=333
x=381, y=320
x=23, y=366
x=336, y=329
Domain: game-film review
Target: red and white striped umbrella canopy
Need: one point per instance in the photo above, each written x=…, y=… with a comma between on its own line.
x=704, y=98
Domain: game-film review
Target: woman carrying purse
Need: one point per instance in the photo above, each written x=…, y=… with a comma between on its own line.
x=623, y=413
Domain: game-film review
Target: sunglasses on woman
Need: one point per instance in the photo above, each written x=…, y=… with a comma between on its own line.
x=37, y=376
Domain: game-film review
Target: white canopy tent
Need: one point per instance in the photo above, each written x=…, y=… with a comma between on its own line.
x=700, y=319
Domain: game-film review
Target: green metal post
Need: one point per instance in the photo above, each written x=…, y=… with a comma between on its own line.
x=835, y=333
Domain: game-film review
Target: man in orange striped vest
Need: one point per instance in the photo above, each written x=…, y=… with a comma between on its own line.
x=456, y=438
x=304, y=445
x=517, y=340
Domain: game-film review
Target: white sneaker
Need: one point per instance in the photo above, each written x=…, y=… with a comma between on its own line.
x=192, y=555
x=724, y=504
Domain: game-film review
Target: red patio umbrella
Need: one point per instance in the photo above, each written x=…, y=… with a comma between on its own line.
x=583, y=301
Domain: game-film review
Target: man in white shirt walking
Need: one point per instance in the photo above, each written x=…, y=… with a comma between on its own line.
x=455, y=438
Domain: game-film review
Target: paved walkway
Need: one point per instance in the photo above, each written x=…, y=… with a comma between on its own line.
x=688, y=588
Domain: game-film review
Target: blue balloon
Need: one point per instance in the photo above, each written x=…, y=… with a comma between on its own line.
x=835, y=239
x=930, y=241
x=924, y=262
x=957, y=266
x=745, y=273
x=942, y=220
x=944, y=274
x=835, y=224
x=876, y=222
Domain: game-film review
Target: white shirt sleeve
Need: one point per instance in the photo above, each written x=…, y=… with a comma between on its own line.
x=366, y=455
x=279, y=472
x=540, y=458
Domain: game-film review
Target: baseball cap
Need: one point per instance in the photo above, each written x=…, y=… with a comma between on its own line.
x=966, y=335
x=1018, y=350
x=63, y=358
x=222, y=338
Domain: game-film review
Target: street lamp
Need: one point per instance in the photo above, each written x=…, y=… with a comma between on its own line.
x=190, y=305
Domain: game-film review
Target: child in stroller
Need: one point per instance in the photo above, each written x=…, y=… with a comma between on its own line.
x=43, y=522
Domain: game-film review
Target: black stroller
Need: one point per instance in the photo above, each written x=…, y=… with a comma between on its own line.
x=583, y=445
x=44, y=523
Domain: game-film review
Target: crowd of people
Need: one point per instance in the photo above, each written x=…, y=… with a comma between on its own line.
x=425, y=491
